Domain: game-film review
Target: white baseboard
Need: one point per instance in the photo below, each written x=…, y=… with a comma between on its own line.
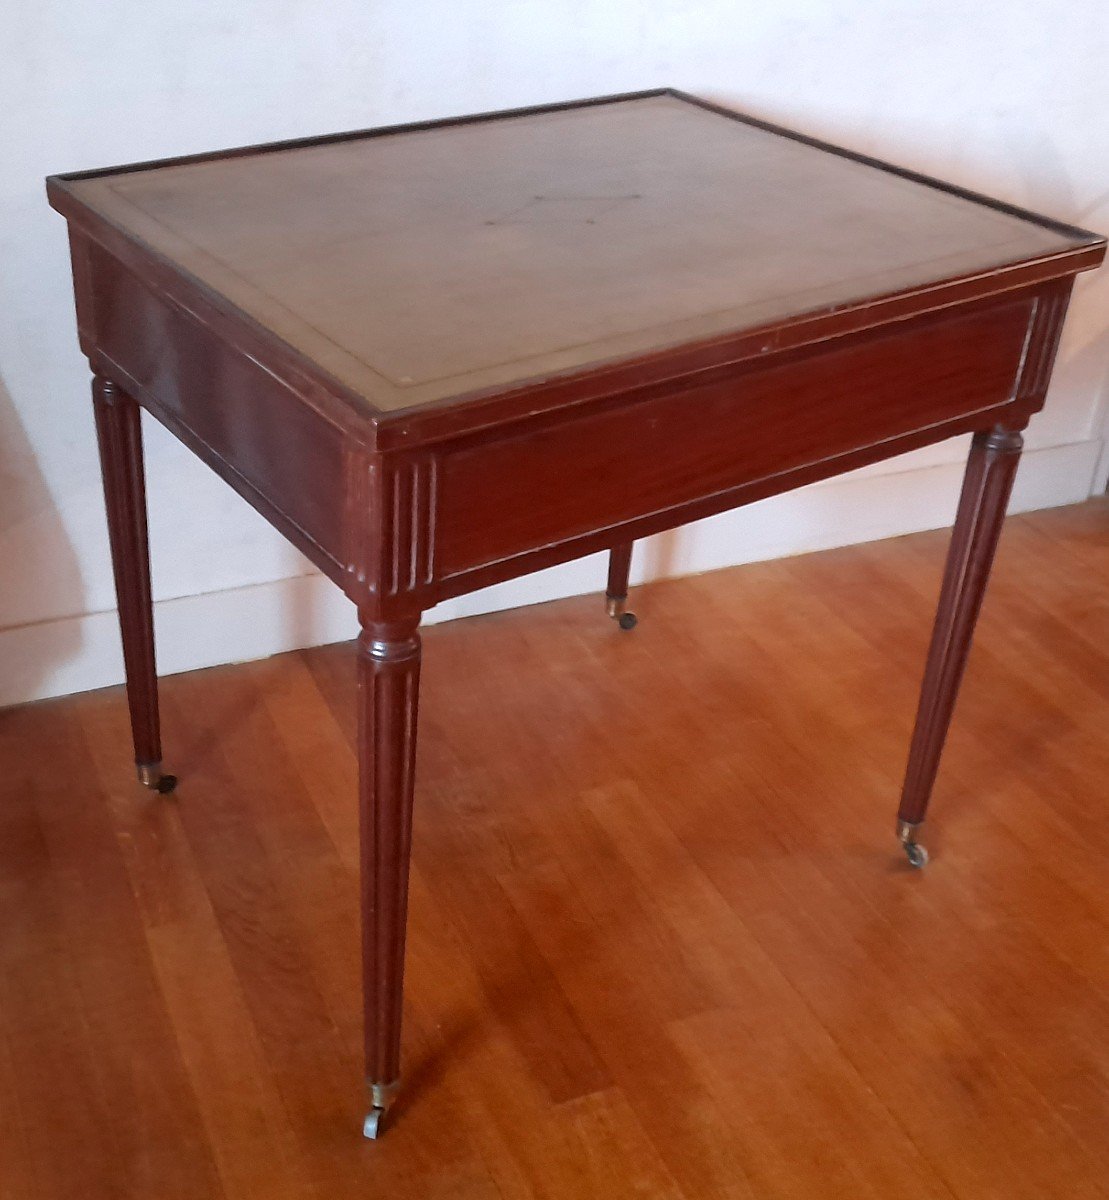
x=74, y=654
x=1101, y=471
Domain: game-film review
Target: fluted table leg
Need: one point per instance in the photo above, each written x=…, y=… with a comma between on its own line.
x=388, y=689
x=119, y=437
x=991, y=467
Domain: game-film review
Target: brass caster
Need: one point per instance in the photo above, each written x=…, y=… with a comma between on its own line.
x=916, y=854
x=150, y=776
x=614, y=606
x=914, y=851
x=382, y=1096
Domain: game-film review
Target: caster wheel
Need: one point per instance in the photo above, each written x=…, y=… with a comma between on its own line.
x=374, y=1123
x=916, y=854
x=150, y=776
x=627, y=620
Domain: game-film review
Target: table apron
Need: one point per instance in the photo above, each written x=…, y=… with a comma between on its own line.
x=401, y=529
x=749, y=432
x=254, y=427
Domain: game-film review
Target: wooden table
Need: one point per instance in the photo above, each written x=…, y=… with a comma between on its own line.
x=443, y=355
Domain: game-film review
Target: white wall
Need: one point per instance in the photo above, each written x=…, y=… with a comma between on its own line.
x=1007, y=96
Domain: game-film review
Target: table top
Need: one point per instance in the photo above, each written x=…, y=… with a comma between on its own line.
x=428, y=264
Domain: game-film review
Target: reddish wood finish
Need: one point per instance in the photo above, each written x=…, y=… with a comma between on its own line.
x=271, y=436
x=388, y=689
x=619, y=568
x=119, y=437
x=991, y=468
x=838, y=406
x=252, y=305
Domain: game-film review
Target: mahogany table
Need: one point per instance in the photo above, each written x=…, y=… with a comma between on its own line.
x=442, y=355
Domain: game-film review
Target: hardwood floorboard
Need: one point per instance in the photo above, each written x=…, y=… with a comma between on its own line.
x=242, y=1112
x=661, y=942
x=45, y=1033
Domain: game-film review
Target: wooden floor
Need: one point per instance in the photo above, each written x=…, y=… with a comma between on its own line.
x=662, y=942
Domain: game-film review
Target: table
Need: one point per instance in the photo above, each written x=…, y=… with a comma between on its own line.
x=442, y=355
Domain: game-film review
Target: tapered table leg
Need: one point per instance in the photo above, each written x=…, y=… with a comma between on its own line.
x=388, y=691
x=119, y=437
x=616, y=594
x=990, y=470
